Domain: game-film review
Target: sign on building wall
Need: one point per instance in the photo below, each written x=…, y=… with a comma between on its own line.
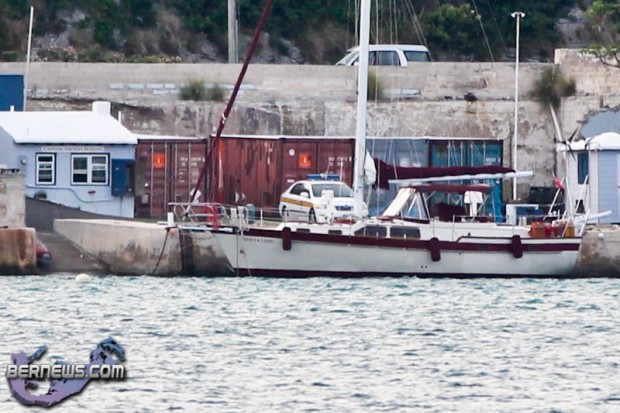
x=72, y=148
x=159, y=160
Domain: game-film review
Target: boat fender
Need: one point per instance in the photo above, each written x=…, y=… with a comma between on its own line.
x=516, y=246
x=435, y=249
x=287, y=239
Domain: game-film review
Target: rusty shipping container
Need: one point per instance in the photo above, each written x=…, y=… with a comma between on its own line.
x=167, y=169
x=257, y=169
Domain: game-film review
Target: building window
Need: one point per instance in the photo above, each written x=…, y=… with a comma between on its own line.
x=46, y=169
x=89, y=169
x=583, y=167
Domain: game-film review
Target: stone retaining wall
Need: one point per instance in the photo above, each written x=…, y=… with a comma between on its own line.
x=12, y=199
x=18, y=251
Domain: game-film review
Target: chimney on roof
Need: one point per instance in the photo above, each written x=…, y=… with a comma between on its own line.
x=102, y=108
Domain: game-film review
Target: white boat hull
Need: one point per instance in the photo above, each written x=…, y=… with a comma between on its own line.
x=263, y=253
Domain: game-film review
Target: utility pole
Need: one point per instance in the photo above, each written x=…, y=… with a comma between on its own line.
x=516, y=15
x=232, y=32
x=27, y=76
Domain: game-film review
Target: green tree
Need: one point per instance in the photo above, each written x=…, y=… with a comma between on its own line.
x=455, y=30
x=206, y=16
x=604, y=15
x=538, y=33
x=11, y=10
x=4, y=35
x=452, y=27
x=141, y=12
x=16, y=9
x=104, y=34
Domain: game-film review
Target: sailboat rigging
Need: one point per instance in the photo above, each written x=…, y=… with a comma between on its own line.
x=231, y=102
x=407, y=238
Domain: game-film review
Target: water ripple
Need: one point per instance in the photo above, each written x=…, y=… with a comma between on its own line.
x=327, y=345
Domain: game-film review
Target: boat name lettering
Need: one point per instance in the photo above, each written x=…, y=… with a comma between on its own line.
x=261, y=240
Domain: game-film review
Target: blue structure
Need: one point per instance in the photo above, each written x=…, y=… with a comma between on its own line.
x=11, y=92
x=593, y=175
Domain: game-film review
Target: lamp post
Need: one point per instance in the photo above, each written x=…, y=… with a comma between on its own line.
x=516, y=15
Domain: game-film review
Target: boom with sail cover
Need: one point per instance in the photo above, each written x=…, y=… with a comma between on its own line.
x=387, y=173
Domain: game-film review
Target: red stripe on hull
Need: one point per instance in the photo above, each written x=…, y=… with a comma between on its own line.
x=528, y=246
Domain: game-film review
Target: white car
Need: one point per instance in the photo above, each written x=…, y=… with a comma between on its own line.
x=311, y=200
x=388, y=55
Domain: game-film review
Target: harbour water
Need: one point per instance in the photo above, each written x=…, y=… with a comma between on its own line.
x=326, y=345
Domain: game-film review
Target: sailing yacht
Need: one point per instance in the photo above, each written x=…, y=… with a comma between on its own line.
x=406, y=239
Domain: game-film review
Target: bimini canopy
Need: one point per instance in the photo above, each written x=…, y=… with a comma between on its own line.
x=388, y=173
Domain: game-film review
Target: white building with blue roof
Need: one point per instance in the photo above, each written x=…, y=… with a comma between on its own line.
x=80, y=159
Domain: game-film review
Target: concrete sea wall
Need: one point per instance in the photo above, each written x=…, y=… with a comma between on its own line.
x=600, y=253
x=129, y=81
x=140, y=248
x=12, y=200
x=17, y=243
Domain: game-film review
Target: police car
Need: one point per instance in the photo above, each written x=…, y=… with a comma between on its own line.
x=312, y=200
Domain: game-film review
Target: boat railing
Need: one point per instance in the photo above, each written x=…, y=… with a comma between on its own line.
x=215, y=214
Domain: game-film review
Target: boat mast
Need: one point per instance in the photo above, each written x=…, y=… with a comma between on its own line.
x=231, y=101
x=362, y=102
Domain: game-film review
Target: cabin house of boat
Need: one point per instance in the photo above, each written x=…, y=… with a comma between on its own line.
x=593, y=174
x=79, y=159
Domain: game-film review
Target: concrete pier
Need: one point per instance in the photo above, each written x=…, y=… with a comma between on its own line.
x=12, y=199
x=18, y=251
x=600, y=252
x=67, y=257
x=142, y=248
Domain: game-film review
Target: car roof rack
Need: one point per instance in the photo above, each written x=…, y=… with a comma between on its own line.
x=326, y=177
